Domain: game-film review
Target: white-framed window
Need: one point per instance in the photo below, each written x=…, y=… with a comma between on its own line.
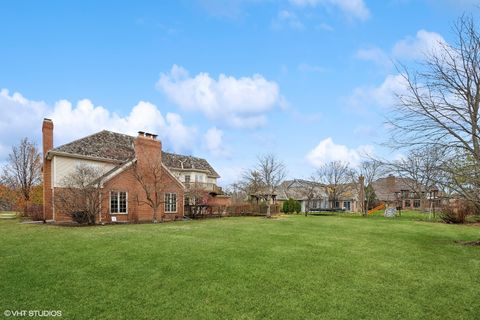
x=118, y=202
x=170, y=202
x=187, y=178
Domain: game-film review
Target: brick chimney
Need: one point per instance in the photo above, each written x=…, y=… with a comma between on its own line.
x=47, y=143
x=148, y=149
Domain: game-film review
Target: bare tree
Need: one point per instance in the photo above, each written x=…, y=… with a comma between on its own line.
x=264, y=181
x=237, y=192
x=252, y=184
x=336, y=175
x=23, y=169
x=310, y=189
x=366, y=173
x=80, y=194
x=198, y=199
x=149, y=172
x=441, y=106
x=458, y=177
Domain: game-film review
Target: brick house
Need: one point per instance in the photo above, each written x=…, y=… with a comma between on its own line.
x=404, y=193
x=115, y=154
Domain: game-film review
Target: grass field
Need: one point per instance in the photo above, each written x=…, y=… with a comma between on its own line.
x=295, y=267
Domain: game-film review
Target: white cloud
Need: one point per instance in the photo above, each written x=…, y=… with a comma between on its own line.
x=230, y=173
x=353, y=8
x=424, y=42
x=376, y=55
x=409, y=48
x=180, y=136
x=327, y=151
x=239, y=102
x=213, y=140
x=21, y=117
x=287, y=18
x=382, y=95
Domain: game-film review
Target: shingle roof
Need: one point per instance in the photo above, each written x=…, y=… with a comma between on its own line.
x=118, y=147
x=178, y=161
x=296, y=189
x=104, y=144
x=385, y=190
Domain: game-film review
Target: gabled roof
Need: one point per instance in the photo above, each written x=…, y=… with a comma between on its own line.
x=117, y=147
x=385, y=188
x=181, y=162
x=297, y=188
x=105, y=144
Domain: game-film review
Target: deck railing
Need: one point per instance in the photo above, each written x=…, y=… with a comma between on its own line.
x=207, y=186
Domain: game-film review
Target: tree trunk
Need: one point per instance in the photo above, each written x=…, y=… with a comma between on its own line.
x=155, y=215
x=269, y=215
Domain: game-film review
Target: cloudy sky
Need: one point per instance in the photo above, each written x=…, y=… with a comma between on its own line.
x=307, y=80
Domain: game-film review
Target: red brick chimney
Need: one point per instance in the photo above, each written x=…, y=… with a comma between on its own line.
x=47, y=143
x=148, y=150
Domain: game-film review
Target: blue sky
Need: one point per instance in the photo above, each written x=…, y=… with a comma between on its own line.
x=308, y=80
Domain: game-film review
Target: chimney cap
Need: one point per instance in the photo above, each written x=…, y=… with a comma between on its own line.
x=147, y=135
x=47, y=119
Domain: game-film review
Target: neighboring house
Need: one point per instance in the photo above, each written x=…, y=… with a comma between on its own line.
x=312, y=196
x=347, y=199
x=114, y=154
x=401, y=192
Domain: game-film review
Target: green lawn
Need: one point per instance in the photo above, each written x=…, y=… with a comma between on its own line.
x=294, y=267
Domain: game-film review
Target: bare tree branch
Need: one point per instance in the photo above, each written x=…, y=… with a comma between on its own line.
x=23, y=169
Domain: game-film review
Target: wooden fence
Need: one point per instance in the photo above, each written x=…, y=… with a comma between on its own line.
x=234, y=210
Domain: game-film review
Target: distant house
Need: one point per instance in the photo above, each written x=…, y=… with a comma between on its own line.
x=311, y=195
x=404, y=193
x=347, y=199
x=114, y=154
x=314, y=196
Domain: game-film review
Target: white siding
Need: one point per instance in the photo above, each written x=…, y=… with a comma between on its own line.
x=195, y=176
x=63, y=166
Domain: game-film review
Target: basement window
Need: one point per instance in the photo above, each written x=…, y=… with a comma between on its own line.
x=118, y=202
x=170, y=202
